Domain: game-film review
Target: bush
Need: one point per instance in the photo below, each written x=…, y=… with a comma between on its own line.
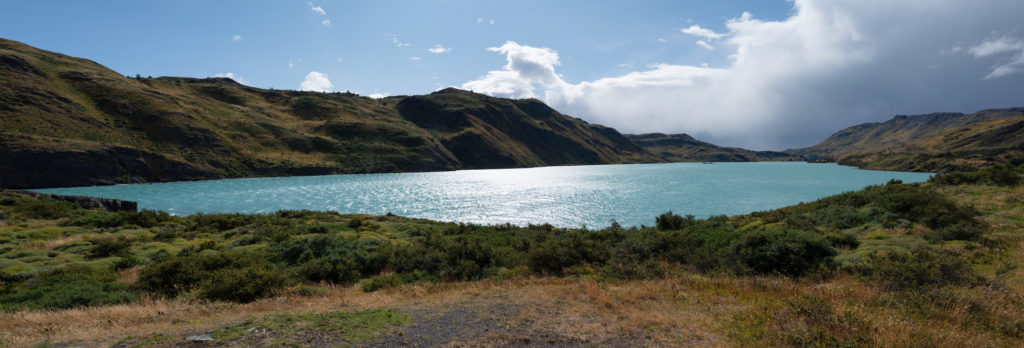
x=393, y=280
x=919, y=268
x=98, y=219
x=106, y=246
x=127, y=261
x=43, y=208
x=960, y=231
x=788, y=252
x=229, y=276
x=243, y=284
x=669, y=221
x=65, y=293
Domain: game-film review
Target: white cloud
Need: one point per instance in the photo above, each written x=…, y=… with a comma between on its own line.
x=479, y=20
x=317, y=9
x=696, y=30
x=326, y=22
x=662, y=40
x=704, y=44
x=1005, y=46
x=492, y=22
x=377, y=95
x=399, y=44
x=438, y=49
x=340, y=59
x=316, y=81
x=232, y=76
x=792, y=82
x=526, y=66
x=236, y=38
x=415, y=58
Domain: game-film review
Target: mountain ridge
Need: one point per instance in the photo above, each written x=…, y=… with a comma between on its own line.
x=69, y=121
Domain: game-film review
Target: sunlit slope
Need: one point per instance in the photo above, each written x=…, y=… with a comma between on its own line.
x=932, y=142
x=67, y=121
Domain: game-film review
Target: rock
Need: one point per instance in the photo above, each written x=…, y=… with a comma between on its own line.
x=199, y=338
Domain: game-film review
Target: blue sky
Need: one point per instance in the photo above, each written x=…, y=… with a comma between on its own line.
x=760, y=74
x=197, y=38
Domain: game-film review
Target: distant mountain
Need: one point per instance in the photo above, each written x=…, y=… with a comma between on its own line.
x=68, y=121
x=932, y=142
x=684, y=148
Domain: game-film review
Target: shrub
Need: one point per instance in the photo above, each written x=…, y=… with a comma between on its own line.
x=669, y=221
x=105, y=246
x=921, y=267
x=393, y=280
x=64, y=293
x=788, y=252
x=245, y=284
x=43, y=208
x=231, y=276
x=960, y=231
x=127, y=261
x=98, y=219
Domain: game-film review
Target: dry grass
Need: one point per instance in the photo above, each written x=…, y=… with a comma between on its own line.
x=52, y=243
x=682, y=310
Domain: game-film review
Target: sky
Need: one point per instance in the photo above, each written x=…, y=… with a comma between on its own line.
x=762, y=74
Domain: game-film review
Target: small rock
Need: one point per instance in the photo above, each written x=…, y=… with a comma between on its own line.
x=199, y=338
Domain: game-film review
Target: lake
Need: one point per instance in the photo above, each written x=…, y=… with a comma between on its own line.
x=570, y=196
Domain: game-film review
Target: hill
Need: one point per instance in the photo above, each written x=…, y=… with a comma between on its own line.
x=932, y=142
x=67, y=121
x=684, y=148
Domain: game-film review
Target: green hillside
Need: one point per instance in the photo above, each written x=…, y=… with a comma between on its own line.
x=684, y=148
x=67, y=121
x=938, y=142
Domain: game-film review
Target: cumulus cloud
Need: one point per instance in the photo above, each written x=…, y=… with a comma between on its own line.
x=326, y=22
x=236, y=38
x=704, y=44
x=526, y=66
x=792, y=82
x=316, y=81
x=232, y=76
x=377, y=95
x=317, y=9
x=415, y=58
x=438, y=49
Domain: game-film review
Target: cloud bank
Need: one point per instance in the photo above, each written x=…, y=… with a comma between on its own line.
x=791, y=83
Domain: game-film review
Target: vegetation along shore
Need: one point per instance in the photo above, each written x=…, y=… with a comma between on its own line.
x=936, y=263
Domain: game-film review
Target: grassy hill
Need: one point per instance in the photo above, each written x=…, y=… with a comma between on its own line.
x=933, y=142
x=684, y=148
x=67, y=121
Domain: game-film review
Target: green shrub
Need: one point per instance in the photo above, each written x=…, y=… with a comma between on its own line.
x=842, y=240
x=98, y=219
x=669, y=221
x=107, y=245
x=394, y=280
x=245, y=284
x=64, y=293
x=128, y=261
x=919, y=268
x=43, y=208
x=227, y=276
x=960, y=231
x=788, y=252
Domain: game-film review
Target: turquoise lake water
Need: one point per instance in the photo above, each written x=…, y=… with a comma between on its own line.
x=574, y=196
